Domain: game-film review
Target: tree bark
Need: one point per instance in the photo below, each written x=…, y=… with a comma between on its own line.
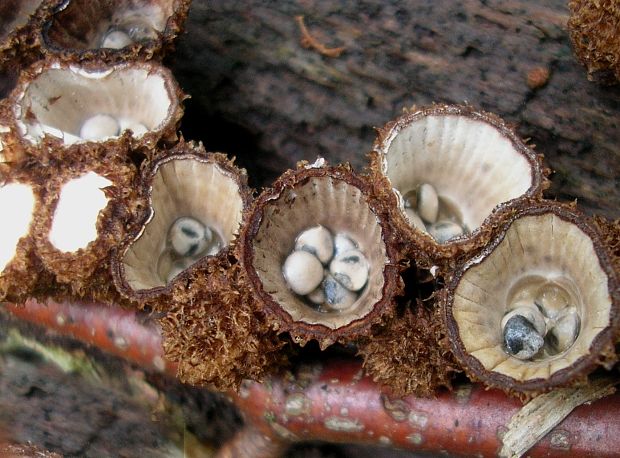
x=243, y=62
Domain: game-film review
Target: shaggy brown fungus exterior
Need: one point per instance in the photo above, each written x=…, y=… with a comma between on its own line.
x=87, y=211
x=594, y=28
x=20, y=269
x=19, y=21
x=61, y=111
x=342, y=202
x=214, y=330
x=446, y=169
x=195, y=206
x=407, y=356
x=113, y=31
x=539, y=306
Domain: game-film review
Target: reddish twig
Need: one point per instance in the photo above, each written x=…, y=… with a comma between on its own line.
x=335, y=402
x=308, y=41
x=249, y=442
x=111, y=329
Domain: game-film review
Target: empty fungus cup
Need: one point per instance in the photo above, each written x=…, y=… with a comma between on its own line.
x=538, y=307
x=19, y=203
x=87, y=212
x=332, y=201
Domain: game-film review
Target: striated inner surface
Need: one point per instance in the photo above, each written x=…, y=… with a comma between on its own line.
x=84, y=24
x=59, y=100
x=75, y=219
x=535, y=251
x=14, y=14
x=472, y=166
x=17, y=205
x=339, y=207
x=182, y=188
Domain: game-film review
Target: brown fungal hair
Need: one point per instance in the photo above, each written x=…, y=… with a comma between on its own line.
x=593, y=28
x=20, y=21
x=215, y=331
x=409, y=356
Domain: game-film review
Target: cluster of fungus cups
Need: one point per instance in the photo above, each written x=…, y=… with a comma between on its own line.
x=517, y=309
x=319, y=254
x=88, y=181
x=539, y=306
x=327, y=219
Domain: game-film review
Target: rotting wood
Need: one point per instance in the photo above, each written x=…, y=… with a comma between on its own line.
x=333, y=401
x=295, y=104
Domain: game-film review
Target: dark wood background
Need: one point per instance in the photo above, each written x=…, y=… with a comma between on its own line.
x=258, y=94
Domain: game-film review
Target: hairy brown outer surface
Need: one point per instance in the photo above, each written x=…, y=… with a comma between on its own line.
x=150, y=49
x=279, y=318
x=595, y=35
x=406, y=357
x=17, y=149
x=20, y=277
x=20, y=48
x=419, y=245
x=215, y=331
x=159, y=298
x=85, y=269
x=602, y=349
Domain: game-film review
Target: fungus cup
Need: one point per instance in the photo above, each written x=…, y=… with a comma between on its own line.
x=49, y=111
x=87, y=211
x=546, y=259
x=19, y=21
x=446, y=169
x=185, y=182
x=593, y=28
x=341, y=202
x=113, y=31
x=21, y=272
